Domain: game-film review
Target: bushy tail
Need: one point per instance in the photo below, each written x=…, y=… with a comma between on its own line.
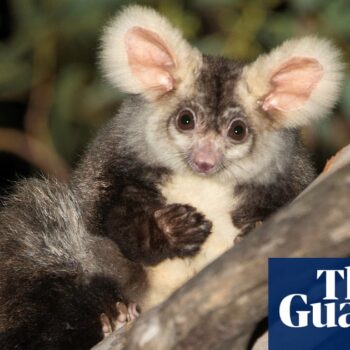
x=52, y=291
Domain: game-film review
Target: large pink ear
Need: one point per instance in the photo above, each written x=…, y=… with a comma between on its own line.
x=294, y=84
x=142, y=53
x=150, y=59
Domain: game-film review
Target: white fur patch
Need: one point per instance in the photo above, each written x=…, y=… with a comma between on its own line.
x=215, y=200
x=255, y=82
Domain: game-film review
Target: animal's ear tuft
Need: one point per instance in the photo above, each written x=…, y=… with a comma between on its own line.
x=294, y=84
x=142, y=53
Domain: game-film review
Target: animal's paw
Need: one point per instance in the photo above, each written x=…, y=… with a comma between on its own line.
x=125, y=314
x=184, y=228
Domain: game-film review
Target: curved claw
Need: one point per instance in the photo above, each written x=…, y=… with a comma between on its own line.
x=126, y=314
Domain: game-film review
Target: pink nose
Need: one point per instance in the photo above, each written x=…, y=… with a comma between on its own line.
x=204, y=167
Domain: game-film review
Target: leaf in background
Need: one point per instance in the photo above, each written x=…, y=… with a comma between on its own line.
x=278, y=27
x=336, y=17
x=67, y=96
x=216, y=3
x=211, y=44
x=305, y=6
x=15, y=69
x=242, y=32
x=345, y=101
x=99, y=103
x=183, y=19
x=15, y=78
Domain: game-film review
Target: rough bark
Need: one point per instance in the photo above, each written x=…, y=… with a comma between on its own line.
x=221, y=306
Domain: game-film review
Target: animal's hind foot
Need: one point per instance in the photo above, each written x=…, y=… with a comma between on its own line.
x=125, y=314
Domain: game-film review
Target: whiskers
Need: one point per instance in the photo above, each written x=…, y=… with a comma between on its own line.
x=179, y=160
x=233, y=171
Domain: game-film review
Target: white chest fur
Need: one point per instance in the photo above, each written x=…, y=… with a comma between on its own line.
x=216, y=201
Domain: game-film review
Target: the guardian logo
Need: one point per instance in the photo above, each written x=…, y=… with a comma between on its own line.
x=309, y=304
x=330, y=311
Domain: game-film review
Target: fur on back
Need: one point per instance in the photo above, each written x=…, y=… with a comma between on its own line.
x=42, y=222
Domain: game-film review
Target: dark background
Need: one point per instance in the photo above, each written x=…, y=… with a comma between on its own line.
x=52, y=96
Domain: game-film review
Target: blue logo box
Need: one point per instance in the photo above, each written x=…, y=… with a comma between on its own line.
x=309, y=304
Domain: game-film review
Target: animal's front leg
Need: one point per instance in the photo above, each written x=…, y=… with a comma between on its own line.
x=184, y=228
x=149, y=231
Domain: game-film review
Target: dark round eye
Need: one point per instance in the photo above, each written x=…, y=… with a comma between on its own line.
x=238, y=131
x=185, y=120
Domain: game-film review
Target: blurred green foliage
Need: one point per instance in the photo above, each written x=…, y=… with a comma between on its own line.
x=54, y=44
